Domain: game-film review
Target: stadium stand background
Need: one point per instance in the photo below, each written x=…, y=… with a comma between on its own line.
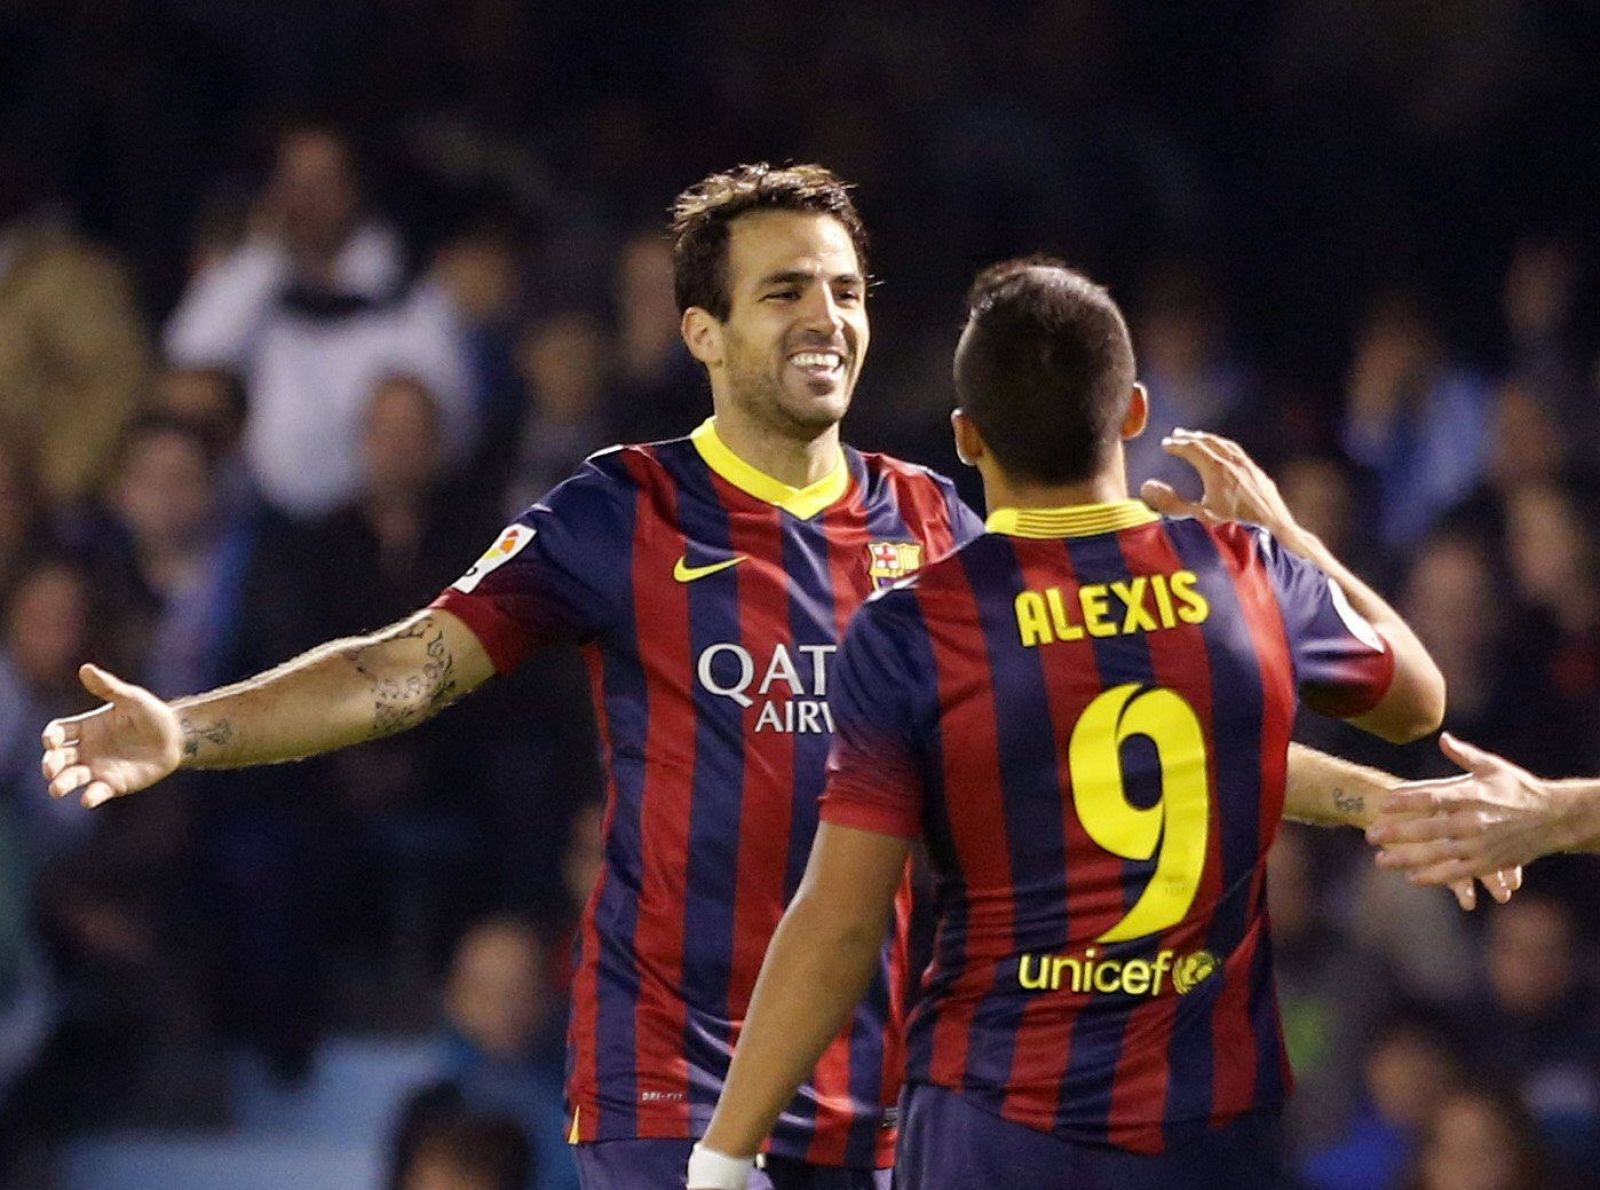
x=1357, y=235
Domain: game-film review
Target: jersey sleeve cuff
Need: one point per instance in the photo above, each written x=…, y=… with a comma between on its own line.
x=1369, y=681
x=839, y=808
x=501, y=637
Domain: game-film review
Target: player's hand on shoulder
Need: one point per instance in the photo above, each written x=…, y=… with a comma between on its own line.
x=1235, y=486
x=126, y=745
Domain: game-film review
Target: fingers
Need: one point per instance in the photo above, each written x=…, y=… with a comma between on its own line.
x=1466, y=894
x=1198, y=453
x=1501, y=885
x=1471, y=758
x=68, y=779
x=1442, y=873
x=1416, y=856
x=1390, y=830
x=1167, y=502
x=99, y=682
x=57, y=759
x=98, y=793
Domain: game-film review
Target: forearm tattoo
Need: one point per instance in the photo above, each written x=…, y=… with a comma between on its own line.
x=194, y=735
x=1348, y=803
x=402, y=700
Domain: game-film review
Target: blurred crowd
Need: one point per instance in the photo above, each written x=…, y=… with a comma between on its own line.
x=299, y=303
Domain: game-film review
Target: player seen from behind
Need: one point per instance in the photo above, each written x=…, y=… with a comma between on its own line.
x=1085, y=714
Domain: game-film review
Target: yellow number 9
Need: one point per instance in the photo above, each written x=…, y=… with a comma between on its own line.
x=1177, y=824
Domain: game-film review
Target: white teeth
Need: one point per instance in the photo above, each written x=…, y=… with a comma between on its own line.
x=816, y=359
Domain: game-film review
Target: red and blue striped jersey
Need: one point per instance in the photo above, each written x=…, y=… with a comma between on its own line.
x=709, y=599
x=1086, y=715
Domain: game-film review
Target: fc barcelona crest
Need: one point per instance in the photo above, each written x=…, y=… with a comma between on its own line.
x=890, y=561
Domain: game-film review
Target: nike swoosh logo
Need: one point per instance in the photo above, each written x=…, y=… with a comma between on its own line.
x=685, y=573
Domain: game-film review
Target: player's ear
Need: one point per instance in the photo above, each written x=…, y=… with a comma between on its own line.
x=1138, y=415
x=702, y=335
x=969, y=443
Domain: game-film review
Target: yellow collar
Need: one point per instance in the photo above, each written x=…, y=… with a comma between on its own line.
x=803, y=502
x=1079, y=520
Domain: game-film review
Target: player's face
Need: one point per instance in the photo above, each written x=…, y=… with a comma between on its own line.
x=796, y=332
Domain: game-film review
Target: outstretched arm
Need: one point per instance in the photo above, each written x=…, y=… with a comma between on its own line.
x=340, y=693
x=815, y=971
x=1494, y=816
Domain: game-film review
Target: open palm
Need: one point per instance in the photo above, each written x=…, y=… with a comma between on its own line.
x=130, y=743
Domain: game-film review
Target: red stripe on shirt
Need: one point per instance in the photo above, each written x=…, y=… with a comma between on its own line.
x=974, y=803
x=1071, y=680
x=1253, y=589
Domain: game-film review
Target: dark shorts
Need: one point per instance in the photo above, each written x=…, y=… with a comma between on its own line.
x=661, y=1164
x=948, y=1144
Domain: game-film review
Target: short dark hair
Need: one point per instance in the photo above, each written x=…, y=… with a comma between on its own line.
x=1045, y=369
x=702, y=214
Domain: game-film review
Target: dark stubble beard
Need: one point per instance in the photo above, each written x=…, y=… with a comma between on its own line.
x=760, y=393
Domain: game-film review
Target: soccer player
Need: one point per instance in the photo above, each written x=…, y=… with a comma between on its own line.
x=1495, y=815
x=709, y=580
x=1085, y=713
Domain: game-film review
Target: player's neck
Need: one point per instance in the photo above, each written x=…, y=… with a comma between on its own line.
x=1003, y=491
x=796, y=462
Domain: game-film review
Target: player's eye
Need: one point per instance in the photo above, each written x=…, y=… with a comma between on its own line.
x=784, y=295
x=848, y=294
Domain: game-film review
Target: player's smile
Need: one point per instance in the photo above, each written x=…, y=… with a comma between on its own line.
x=823, y=367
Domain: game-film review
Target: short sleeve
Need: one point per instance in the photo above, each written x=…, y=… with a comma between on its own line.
x=1343, y=666
x=874, y=780
x=556, y=573
x=965, y=525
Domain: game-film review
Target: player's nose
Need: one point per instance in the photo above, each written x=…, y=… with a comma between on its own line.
x=822, y=312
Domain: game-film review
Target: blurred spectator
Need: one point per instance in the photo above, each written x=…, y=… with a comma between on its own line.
x=1328, y=992
x=212, y=401
x=496, y=1054
x=1480, y=1140
x=104, y=884
x=22, y=509
x=1408, y=1068
x=563, y=362
x=482, y=268
x=1464, y=609
x=1194, y=380
x=311, y=311
x=1540, y=304
x=581, y=862
x=364, y=854
x=1418, y=418
x=453, y=1149
x=1539, y=1019
x=656, y=390
x=1528, y=442
x=1322, y=493
x=1555, y=567
x=73, y=354
x=168, y=564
